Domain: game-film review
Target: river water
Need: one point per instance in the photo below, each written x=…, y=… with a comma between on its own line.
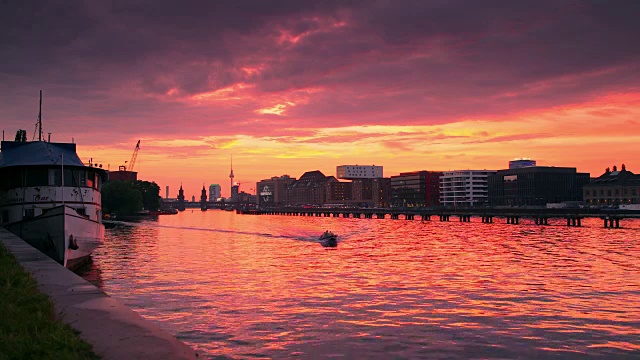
x=246, y=286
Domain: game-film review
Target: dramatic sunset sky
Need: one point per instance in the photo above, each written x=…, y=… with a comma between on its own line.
x=291, y=86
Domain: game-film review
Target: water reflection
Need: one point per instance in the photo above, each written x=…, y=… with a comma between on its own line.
x=259, y=286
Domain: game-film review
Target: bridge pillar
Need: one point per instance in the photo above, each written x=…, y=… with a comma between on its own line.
x=426, y=217
x=357, y=216
x=380, y=216
x=408, y=217
x=617, y=223
x=395, y=216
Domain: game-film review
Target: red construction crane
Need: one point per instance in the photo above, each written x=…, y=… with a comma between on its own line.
x=132, y=162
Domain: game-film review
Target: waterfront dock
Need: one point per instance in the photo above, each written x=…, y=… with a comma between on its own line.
x=114, y=330
x=573, y=217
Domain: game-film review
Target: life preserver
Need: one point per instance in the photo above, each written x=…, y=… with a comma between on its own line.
x=73, y=245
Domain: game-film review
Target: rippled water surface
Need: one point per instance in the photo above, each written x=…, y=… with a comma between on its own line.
x=244, y=286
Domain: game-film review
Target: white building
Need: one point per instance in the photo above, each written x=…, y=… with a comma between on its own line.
x=464, y=187
x=358, y=172
x=214, y=192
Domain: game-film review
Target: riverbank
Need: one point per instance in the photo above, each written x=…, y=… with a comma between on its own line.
x=29, y=328
x=113, y=330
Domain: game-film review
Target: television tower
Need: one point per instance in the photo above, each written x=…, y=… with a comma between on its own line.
x=231, y=177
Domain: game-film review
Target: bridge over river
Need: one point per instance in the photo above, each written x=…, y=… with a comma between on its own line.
x=611, y=218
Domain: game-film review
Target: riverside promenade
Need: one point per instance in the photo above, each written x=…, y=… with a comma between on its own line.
x=114, y=330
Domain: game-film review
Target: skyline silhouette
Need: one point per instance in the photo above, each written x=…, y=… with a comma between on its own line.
x=289, y=87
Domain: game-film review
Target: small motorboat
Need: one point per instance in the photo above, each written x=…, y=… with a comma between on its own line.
x=329, y=239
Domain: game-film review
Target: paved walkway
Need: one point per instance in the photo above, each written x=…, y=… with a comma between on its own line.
x=114, y=330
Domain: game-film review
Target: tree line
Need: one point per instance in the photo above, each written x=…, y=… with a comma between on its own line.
x=126, y=198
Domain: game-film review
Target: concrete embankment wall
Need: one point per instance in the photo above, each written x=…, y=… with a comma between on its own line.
x=114, y=330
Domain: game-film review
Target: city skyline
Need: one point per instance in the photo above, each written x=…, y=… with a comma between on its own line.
x=290, y=87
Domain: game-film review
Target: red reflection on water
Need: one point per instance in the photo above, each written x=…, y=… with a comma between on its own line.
x=245, y=286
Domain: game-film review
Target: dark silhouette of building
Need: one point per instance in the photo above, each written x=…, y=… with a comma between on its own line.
x=122, y=175
x=613, y=188
x=416, y=189
x=271, y=192
x=310, y=189
x=181, y=199
x=203, y=199
x=381, y=192
x=535, y=186
x=235, y=188
x=338, y=192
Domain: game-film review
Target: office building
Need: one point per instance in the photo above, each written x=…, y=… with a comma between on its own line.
x=416, y=189
x=235, y=189
x=351, y=172
x=338, y=193
x=215, y=192
x=464, y=187
x=271, y=192
x=381, y=192
x=535, y=186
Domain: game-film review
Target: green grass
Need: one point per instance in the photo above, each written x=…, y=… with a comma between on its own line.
x=28, y=325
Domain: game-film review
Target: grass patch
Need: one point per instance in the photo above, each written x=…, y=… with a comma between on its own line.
x=28, y=325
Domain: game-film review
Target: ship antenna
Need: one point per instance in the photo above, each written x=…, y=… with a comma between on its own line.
x=40, y=119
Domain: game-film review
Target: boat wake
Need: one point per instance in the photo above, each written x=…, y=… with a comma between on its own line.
x=305, y=237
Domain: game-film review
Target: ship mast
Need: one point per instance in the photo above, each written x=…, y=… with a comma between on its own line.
x=40, y=119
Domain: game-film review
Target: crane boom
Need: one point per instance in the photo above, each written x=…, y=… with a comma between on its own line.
x=134, y=156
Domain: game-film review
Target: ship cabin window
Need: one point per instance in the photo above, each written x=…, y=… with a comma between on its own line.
x=90, y=176
x=15, y=178
x=82, y=211
x=4, y=180
x=82, y=177
x=36, y=177
x=68, y=178
x=55, y=177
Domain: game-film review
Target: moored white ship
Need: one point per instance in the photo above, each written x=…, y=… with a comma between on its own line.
x=50, y=199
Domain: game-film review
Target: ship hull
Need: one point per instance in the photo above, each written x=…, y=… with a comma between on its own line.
x=62, y=234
